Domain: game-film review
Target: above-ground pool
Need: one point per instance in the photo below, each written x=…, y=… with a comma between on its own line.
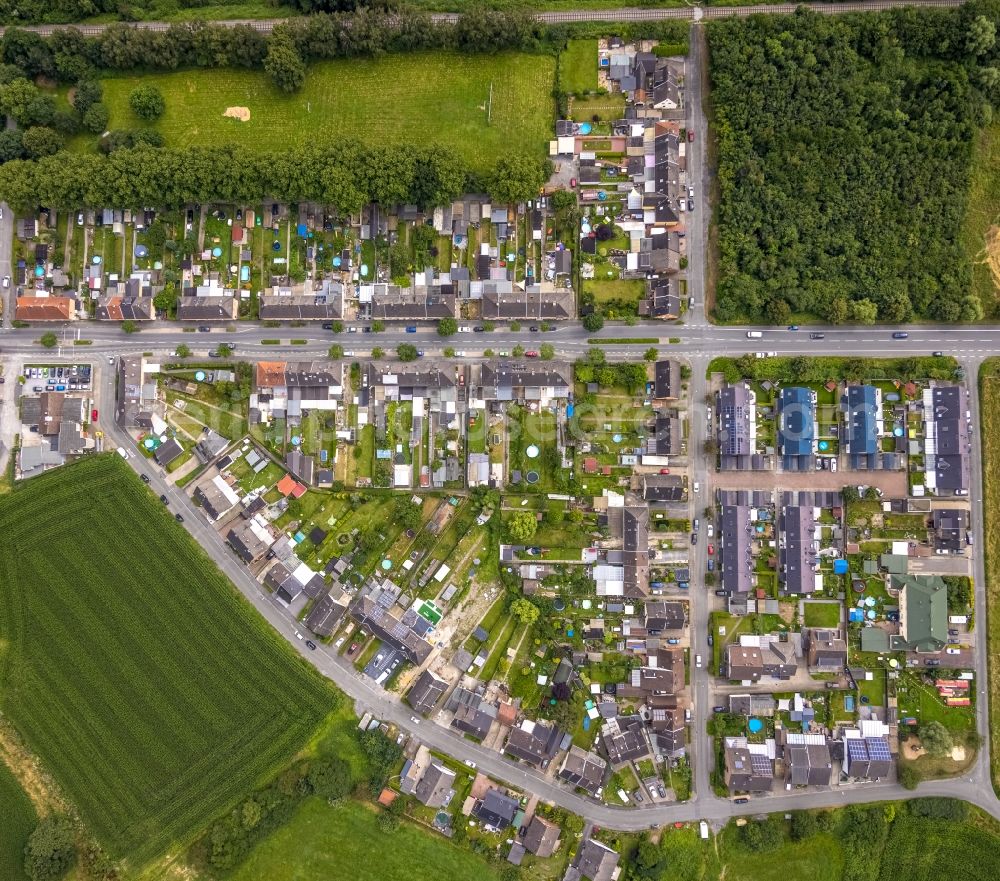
x=585, y=128
x=755, y=725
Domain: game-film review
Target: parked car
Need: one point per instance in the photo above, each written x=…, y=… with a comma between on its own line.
x=690, y=135
x=951, y=651
x=664, y=471
x=144, y=478
x=311, y=645
x=711, y=530
x=6, y=281
x=478, y=329
x=711, y=550
x=531, y=354
x=718, y=709
x=204, y=329
x=164, y=500
x=93, y=416
x=711, y=565
x=711, y=640
x=721, y=593
x=469, y=763
x=694, y=538
x=178, y=518
x=933, y=662
x=411, y=329
x=937, y=354
x=741, y=801
x=697, y=661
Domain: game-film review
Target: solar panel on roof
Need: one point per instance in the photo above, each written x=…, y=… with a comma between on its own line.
x=878, y=749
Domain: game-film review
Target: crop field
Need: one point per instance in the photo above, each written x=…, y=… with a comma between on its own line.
x=343, y=843
x=18, y=822
x=420, y=99
x=920, y=849
x=153, y=693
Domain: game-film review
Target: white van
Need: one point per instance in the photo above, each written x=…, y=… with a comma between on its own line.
x=754, y=334
x=123, y=452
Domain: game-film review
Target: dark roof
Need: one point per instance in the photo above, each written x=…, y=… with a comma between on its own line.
x=167, y=452
x=583, y=769
x=325, y=616
x=496, y=809
x=534, y=743
x=796, y=427
x=797, y=555
x=668, y=379
x=736, y=559
x=426, y=692
x=735, y=409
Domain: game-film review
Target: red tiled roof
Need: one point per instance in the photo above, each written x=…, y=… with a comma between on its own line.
x=44, y=309
x=286, y=484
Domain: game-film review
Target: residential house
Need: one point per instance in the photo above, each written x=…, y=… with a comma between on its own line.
x=737, y=427
x=137, y=394
x=661, y=487
x=541, y=837
x=923, y=613
x=735, y=549
x=583, y=769
x=534, y=742
x=798, y=560
x=807, y=759
x=867, y=758
x=251, y=541
x=661, y=616
x=375, y=607
x=216, y=497
x=128, y=299
x=661, y=299
x=42, y=307
x=426, y=692
x=545, y=301
x=210, y=444
x=748, y=771
x=667, y=381
x=770, y=654
x=284, y=303
x=950, y=529
x=947, y=446
x=744, y=663
x=473, y=713
x=630, y=523
x=593, y=861
x=525, y=381
x=796, y=428
x=437, y=787
x=667, y=726
x=208, y=302
x=864, y=426
x=624, y=740
x=825, y=650
x=666, y=438
x=327, y=613
x=495, y=809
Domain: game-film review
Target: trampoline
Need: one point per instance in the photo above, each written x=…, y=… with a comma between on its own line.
x=199, y=375
x=531, y=477
x=532, y=452
x=141, y=251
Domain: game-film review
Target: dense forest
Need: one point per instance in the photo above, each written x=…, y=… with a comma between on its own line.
x=844, y=153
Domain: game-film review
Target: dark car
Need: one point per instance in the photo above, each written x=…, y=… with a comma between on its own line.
x=711, y=565
x=274, y=209
x=718, y=709
x=793, y=327
x=741, y=801
x=900, y=335
x=311, y=645
x=178, y=518
x=204, y=329
x=328, y=325
x=721, y=593
x=478, y=329
x=144, y=478
x=694, y=538
x=164, y=500
x=937, y=354
x=711, y=639
x=214, y=355
x=817, y=336
x=533, y=328
x=933, y=662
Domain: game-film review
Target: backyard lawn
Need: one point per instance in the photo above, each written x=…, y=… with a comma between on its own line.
x=419, y=99
x=822, y=614
x=578, y=67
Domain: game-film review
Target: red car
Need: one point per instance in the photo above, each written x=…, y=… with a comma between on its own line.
x=93, y=416
x=531, y=354
x=711, y=550
x=690, y=135
x=664, y=471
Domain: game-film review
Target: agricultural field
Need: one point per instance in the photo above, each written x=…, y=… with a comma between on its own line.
x=18, y=822
x=420, y=99
x=921, y=849
x=154, y=695
x=342, y=844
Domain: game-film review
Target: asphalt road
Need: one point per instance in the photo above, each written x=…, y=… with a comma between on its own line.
x=688, y=13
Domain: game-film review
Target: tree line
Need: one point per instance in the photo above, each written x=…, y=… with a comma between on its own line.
x=845, y=145
x=345, y=175
x=69, y=56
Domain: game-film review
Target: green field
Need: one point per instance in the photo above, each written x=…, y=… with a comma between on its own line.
x=422, y=98
x=153, y=693
x=578, y=67
x=344, y=843
x=989, y=392
x=18, y=822
x=921, y=849
x=822, y=614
